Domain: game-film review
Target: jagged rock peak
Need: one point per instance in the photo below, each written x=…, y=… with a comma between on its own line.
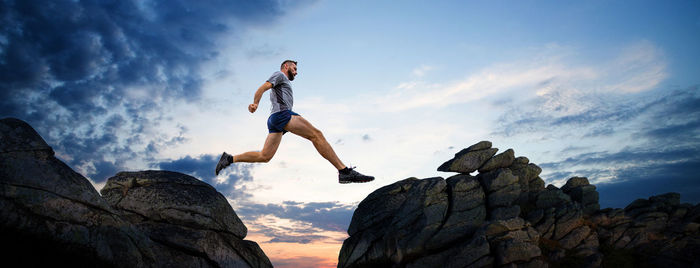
x=17, y=135
x=504, y=216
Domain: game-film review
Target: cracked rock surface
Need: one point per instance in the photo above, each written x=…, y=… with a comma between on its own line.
x=504, y=216
x=185, y=215
x=51, y=215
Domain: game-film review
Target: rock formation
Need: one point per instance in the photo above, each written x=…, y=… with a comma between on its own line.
x=505, y=216
x=52, y=215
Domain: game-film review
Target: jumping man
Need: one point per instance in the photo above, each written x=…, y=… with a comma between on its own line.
x=283, y=120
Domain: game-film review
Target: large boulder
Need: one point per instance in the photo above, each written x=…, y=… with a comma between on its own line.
x=188, y=217
x=438, y=223
x=51, y=214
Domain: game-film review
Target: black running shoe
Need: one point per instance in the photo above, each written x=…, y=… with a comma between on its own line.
x=353, y=176
x=224, y=161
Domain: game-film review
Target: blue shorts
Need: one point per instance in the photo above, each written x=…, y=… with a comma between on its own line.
x=277, y=121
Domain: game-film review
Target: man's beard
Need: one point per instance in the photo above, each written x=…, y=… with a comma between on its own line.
x=290, y=75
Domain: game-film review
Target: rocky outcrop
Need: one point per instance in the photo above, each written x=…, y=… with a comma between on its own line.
x=52, y=215
x=191, y=220
x=505, y=216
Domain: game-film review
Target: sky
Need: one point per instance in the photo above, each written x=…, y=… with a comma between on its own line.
x=607, y=90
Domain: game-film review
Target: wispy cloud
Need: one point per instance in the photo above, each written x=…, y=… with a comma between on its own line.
x=639, y=67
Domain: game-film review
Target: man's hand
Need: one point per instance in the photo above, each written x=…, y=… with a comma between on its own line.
x=252, y=107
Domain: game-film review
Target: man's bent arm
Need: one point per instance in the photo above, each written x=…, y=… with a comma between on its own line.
x=258, y=95
x=261, y=90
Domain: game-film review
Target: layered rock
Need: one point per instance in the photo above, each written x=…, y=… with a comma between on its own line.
x=505, y=216
x=52, y=215
x=660, y=230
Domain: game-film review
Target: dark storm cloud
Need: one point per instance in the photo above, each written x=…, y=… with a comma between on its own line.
x=664, y=158
x=635, y=172
x=96, y=74
x=652, y=180
x=202, y=168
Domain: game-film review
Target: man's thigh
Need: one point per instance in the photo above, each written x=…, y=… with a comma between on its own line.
x=272, y=142
x=300, y=126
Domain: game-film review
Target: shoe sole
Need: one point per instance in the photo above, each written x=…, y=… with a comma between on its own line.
x=348, y=182
x=219, y=166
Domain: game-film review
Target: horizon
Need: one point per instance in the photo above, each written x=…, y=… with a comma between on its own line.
x=603, y=90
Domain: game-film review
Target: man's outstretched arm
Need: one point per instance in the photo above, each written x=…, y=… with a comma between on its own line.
x=258, y=95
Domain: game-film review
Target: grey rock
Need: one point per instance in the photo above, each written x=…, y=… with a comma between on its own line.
x=504, y=213
x=391, y=213
x=510, y=251
x=574, y=182
x=521, y=160
x=497, y=179
x=527, y=172
x=552, y=198
x=475, y=253
x=497, y=228
x=504, y=197
x=469, y=159
x=181, y=212
x=502, y=160
x=52, y=215
x=400, y=225
x=174, y=198
x=466, y=192
x=18, y=136
x=44, y=201
x=585, y=194
x=666, y=200
x=575, y=237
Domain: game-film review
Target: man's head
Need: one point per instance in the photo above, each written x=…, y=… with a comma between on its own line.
x=289, y=68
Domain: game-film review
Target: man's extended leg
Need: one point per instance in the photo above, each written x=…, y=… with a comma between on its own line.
x=272, y=142
x=299, y=126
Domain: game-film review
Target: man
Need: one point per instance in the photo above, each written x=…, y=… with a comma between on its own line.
x=283, y=120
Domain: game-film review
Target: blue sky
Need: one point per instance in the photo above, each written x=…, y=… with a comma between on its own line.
x=602, y=89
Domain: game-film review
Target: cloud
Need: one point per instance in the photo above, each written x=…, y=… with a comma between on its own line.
x=639, y=67
x=657, y=113
x=652, y=180
x=366, y=137
x=328, y=216
x=96, y=78
x=422, y=70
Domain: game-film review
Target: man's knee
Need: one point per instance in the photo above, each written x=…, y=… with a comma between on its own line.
x=265, y=158
x=316, y=135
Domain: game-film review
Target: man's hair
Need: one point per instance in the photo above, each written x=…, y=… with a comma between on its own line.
x=287, y=61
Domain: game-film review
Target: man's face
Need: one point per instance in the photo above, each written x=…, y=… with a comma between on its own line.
x=291, y=71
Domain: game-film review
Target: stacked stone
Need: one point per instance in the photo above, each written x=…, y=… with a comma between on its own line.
x=464, y=220
x=504, y=216
x=646, y=226
x=581, y=191
x=484, y=217
x=506, y=182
